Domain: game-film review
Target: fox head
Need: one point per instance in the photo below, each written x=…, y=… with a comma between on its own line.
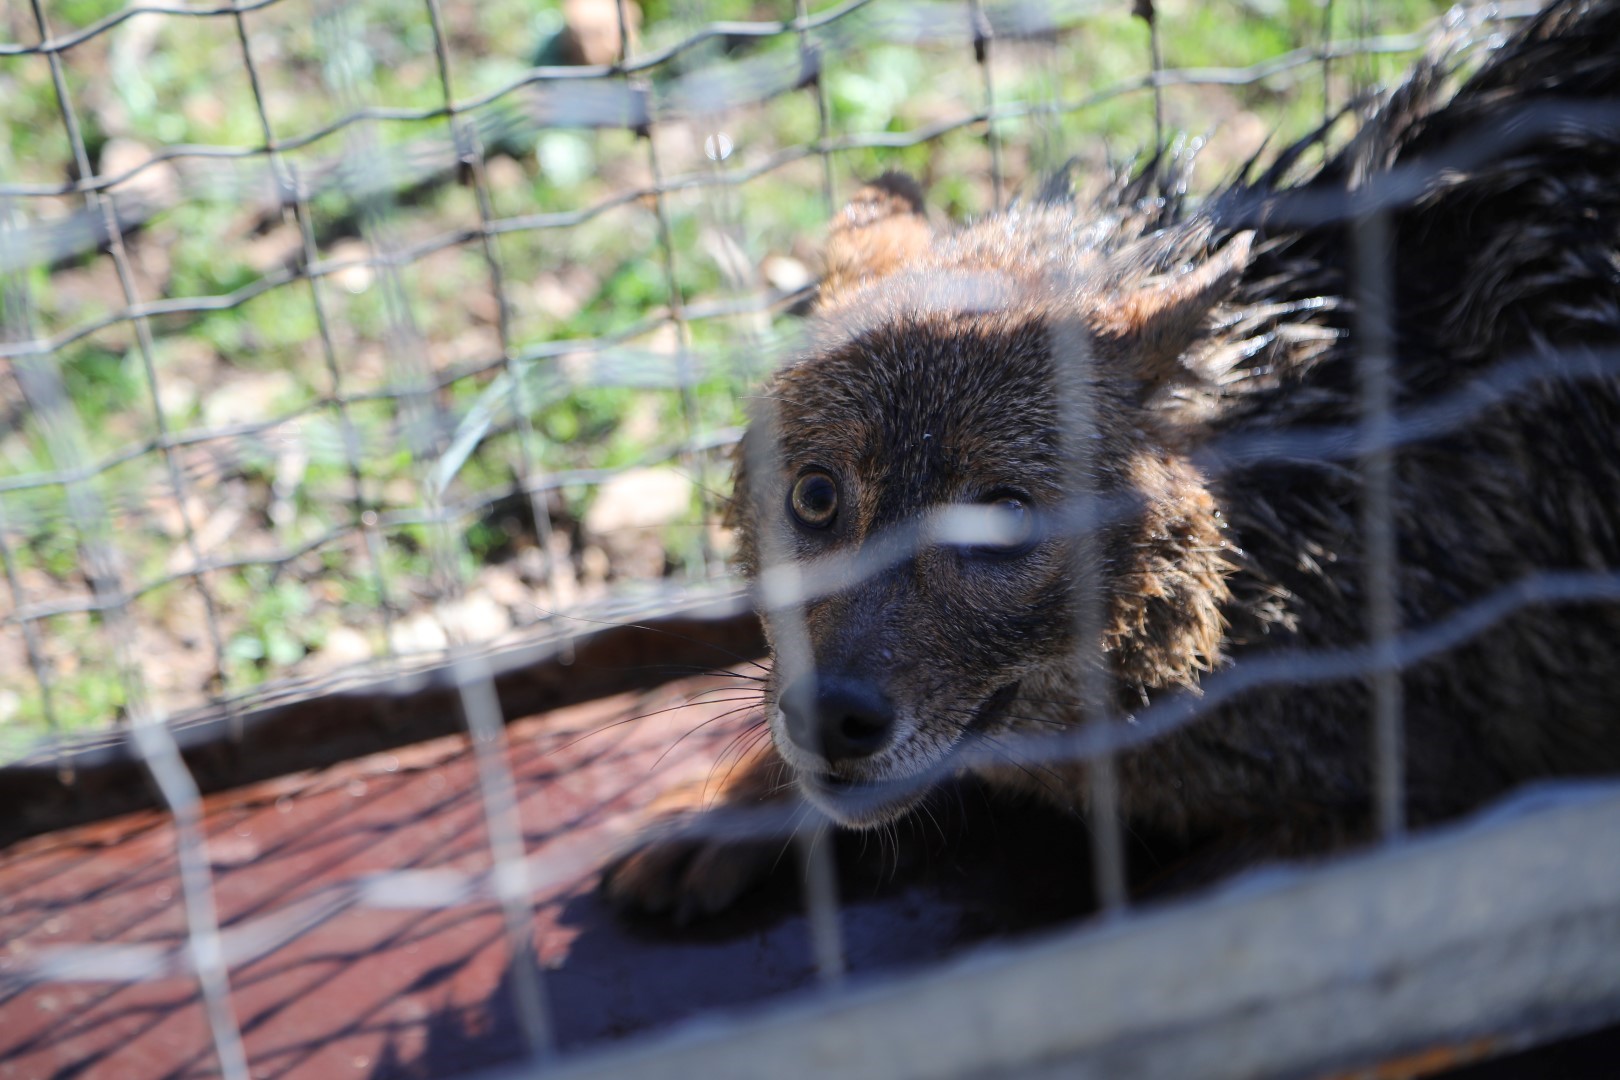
x=986, y=432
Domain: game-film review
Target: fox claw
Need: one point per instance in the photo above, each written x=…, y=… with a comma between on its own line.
x=688, y=879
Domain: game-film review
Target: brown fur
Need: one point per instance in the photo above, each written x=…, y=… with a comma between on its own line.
x=936, y=378
x=883, y=228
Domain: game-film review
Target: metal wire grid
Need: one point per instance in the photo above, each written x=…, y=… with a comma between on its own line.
x=628, y=104
x=543, y=98
x=369, y=174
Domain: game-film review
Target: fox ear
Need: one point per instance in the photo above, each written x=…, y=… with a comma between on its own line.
x=1154, y=323
x=883, y=228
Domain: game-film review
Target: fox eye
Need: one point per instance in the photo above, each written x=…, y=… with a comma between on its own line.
x=814, y=499
x=1012, y=526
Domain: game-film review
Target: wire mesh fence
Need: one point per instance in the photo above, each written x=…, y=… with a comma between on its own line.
x=358, y=343
x=384, y=306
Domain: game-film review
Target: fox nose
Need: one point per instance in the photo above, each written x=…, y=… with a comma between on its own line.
x=840, y=717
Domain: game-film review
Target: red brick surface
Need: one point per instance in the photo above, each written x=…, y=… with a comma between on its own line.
x=339, y=988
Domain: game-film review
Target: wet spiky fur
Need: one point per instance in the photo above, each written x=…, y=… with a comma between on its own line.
x=934, y=377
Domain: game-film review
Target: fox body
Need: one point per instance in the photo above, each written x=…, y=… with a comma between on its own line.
x=1014, y=472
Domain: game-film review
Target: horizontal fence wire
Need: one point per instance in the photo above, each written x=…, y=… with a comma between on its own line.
x=435, y=444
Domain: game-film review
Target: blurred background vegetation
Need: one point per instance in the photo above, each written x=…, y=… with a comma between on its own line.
x=559, y=399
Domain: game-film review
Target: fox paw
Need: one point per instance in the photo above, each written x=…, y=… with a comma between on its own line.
x=688, y=878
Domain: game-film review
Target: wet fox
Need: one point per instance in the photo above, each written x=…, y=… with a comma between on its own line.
x=1070, y=467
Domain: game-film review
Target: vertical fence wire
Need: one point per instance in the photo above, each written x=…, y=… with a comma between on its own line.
x=413, y=388
x=103, y=206
x=474, y=681
x=982, y=34
x=514, y=893
x=1145, y=10
x=1372, y=267
x=32, y=644
x=813, y=843
x=153, y=742
x=14, y=321
x=819, y=870
x=1079, y=429
x=14, y=326
x=819, y=873
x=515, y=370
x=784, y=585
x=151, y=738
x=290, y=190
x=691, y=461
x=1048, y=155
x=814, y=58
x=1326, y=47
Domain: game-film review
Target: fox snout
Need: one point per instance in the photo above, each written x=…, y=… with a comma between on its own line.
x=842, y=718
x=852, y=752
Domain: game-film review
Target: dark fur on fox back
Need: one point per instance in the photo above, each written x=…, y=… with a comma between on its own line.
x=1514, y=256
x=1506, y=248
